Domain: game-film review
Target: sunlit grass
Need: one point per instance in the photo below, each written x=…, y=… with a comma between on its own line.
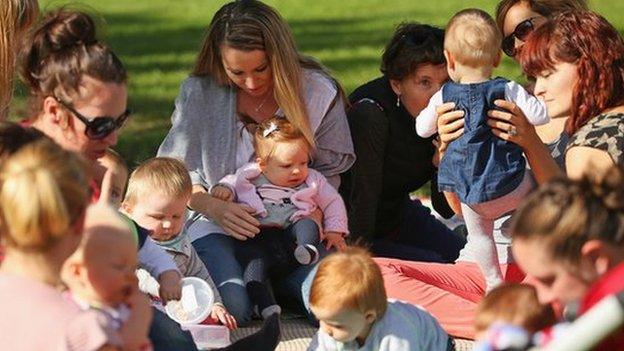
x=159, y=39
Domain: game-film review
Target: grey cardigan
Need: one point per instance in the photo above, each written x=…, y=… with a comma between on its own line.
x=204, y=126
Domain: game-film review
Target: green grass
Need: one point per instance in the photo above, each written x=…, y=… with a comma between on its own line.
x=159, y=39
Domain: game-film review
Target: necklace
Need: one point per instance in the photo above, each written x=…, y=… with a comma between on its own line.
x=266, y=98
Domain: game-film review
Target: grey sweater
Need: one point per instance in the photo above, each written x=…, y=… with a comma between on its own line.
x=204, y=126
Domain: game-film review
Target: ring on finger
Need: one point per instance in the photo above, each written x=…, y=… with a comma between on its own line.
x=512, y=131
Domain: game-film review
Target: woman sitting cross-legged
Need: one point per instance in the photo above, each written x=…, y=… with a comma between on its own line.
x=249, y=70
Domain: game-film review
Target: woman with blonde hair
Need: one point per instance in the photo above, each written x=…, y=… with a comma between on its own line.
x=43, y=205
x=249, y=70
x=15, y=18
x=78, y=97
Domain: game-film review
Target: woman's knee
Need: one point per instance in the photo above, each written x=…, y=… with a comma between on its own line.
x=217, y=253
x=214, y=244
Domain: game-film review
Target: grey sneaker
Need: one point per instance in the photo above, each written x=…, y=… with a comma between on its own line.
x=306, y=254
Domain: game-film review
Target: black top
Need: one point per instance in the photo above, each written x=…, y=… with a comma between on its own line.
x=392, y=161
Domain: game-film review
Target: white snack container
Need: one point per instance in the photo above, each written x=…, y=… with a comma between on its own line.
x=205, y=301
x=208, y=337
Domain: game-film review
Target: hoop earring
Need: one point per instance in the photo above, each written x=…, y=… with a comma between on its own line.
x=398, y=100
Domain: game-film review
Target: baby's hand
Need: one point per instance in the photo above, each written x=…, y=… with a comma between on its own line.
x=335, y=239
x=170, y=287
x=222, y=192
x=219, y=313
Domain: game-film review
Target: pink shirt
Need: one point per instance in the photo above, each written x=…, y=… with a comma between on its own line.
x=35, y=316
x=318, y=194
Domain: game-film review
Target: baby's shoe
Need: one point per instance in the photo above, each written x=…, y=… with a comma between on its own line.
x=306, y=254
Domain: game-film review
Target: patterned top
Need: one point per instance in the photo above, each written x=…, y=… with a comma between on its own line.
x=603, y=132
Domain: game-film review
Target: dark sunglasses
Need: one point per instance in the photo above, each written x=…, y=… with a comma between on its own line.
x=98, y=127
x=522, y=30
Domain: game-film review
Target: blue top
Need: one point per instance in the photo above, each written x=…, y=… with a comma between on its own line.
x=404, y=327
x=478, y=166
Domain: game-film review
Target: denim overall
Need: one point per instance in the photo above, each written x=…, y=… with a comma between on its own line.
x=478, y=166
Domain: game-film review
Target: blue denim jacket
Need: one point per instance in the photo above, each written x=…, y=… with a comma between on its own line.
x=478, y=166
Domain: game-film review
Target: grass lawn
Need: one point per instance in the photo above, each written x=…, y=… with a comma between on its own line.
x=159, y=39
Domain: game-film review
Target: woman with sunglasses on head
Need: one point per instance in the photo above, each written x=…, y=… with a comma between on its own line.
x=78, y=97
x=77, y=87
x=392, y=160
x=249, y=70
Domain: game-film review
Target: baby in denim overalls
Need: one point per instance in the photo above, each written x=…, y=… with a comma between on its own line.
x=487, y=173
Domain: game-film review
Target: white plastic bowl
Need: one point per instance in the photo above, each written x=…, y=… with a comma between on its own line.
x=205, y=301
x=208, y=337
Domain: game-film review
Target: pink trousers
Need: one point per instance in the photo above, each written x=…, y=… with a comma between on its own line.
x=450, y=292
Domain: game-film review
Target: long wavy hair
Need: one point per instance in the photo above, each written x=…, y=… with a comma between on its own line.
x=249, y=25
x=43, y=192
x=587, y=40
x=15, y=18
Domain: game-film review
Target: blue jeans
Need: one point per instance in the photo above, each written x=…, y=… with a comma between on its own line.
x=217, y=251
x=421, y=237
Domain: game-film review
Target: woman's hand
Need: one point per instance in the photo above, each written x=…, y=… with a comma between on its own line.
x=512, y=125
x=219, y=313
x=450, y=126
x=235, y=219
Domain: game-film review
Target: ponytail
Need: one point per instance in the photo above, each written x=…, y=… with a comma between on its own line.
x=43, y=191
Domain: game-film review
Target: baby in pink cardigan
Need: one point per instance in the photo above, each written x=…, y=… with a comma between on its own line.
x=285, y=193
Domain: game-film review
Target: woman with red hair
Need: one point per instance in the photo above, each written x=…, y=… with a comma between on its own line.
x=578, y=62
x=577, y=76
